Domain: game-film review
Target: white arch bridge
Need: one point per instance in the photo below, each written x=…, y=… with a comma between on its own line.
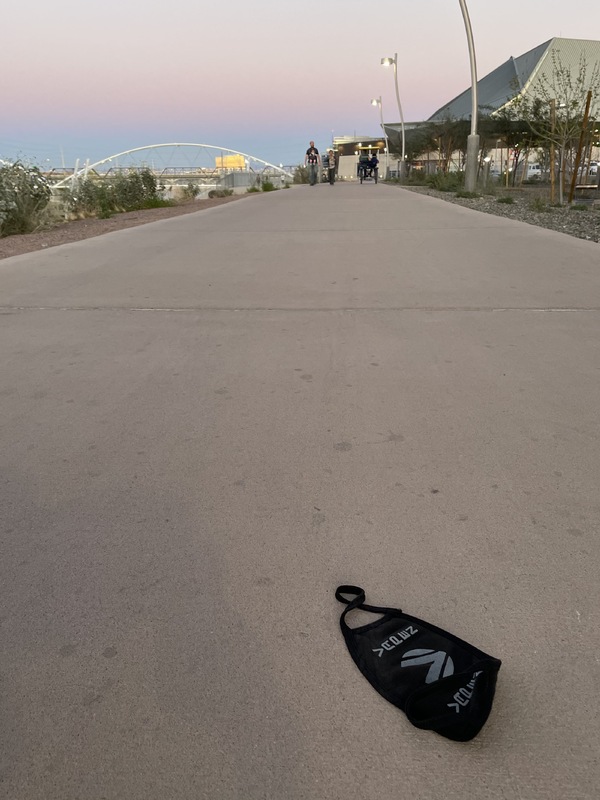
x=176, y=161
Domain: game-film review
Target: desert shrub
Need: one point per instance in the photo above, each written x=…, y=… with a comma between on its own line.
x=103, y=197
x=450, y=182
x=252, y=189
x=539, y=204
x=158, y=202
x=91, y=197
x=468, y=195
x=507, y=199
x=24, y=194
x=416, y=178
x=268, y=186
x=220, y=193
x=579, y=207
x=134, y=190
x=191, y=191
x=301, y=174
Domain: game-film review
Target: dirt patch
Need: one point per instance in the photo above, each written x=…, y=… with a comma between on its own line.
x=87, y=228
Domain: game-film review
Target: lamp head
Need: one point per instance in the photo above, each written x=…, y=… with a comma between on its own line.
x=388, y=62
x=375, y=101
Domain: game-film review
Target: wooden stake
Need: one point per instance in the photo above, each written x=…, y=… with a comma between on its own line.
x=552, y=152
x=586, y=116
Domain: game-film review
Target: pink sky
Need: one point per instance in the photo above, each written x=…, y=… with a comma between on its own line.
x=95, y=78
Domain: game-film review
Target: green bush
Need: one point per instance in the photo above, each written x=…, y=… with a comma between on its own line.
x=103, y=197
x=24, y=194
x=468, y=195
x=191, y=191
x=450, y=182
x=416, y=178
x=132, y=191
x=507, y=199
x=269, y=186
x=158, y=202
x=252, y=189
x=579, y=207
x=539, y=204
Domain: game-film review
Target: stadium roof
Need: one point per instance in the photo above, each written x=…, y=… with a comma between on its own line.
x=522, y=75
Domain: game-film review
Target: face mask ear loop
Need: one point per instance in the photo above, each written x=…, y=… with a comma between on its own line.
x=350, y=590
x=357, y=602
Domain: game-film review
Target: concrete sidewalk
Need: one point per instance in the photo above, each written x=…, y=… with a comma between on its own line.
x=210, y=422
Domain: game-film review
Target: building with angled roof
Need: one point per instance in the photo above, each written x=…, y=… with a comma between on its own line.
x=523, y=76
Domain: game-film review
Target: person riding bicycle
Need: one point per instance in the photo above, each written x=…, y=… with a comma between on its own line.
x=363, y=164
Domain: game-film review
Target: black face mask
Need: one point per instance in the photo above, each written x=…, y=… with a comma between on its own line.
x=440, y=682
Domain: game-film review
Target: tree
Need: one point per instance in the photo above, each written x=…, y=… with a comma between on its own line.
x=516, y=135
x=555, y=108
x=450, y=135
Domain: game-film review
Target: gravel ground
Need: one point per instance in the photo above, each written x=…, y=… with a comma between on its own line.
x=583, y=223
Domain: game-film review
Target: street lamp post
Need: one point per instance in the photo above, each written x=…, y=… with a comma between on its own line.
x=473, y=138
x=388, y=62
x=377, y=102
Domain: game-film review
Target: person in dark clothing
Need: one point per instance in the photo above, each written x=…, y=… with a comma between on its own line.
x=331, y=166
x=312, y=160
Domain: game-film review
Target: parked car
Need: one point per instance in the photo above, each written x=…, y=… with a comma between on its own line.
x=534, y=172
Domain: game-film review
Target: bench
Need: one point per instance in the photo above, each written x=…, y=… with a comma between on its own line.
x=584, y=191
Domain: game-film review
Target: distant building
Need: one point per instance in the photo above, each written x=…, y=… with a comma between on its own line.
x=521, y=76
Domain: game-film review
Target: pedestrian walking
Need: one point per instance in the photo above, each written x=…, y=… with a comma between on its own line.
x=331, y=166
x=312, y=160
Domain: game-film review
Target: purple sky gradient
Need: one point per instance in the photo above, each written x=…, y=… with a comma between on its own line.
x=86, y=80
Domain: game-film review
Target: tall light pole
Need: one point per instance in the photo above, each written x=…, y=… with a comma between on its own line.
x=388, y=62
x=377, y=102
x=473, y=138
